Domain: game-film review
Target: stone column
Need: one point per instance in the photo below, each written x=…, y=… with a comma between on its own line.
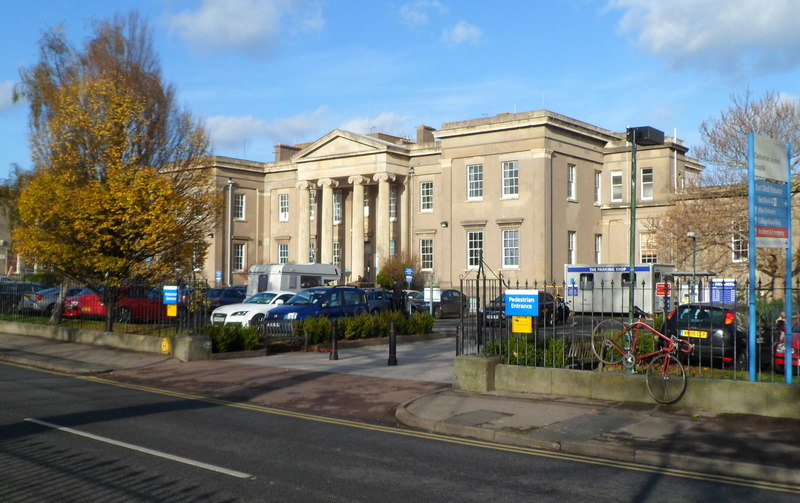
x=404, y=211
x=382, y=217
x=357, y=237
x=303, y=233
x=326, y=238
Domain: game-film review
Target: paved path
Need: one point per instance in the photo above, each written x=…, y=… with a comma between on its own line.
x=430, y=361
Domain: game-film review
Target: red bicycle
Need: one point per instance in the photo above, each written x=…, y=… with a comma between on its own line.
x=614, y=341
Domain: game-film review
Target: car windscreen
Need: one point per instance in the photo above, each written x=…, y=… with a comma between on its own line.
x=260, y=298
x=306, y=298
x=213, y=294
x=701, y=315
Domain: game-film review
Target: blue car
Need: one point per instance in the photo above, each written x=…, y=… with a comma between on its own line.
x=332, y=302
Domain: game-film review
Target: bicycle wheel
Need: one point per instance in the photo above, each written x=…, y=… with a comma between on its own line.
x=608, y=341
x=666, y=379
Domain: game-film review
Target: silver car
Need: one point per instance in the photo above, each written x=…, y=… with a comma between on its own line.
x=43, y=301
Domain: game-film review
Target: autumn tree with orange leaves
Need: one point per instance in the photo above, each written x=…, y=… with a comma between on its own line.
x=115, y=196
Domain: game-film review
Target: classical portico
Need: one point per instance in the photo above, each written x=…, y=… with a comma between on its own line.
x=362, y=199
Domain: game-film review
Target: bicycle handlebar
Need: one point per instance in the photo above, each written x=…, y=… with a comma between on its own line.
x=684, y=346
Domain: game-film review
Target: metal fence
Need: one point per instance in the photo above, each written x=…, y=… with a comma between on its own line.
x=139, y=309
x=551, y=342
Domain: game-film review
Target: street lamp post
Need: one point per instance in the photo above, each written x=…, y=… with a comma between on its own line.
x=693, y=235
x=643, y=136
x=229, y=234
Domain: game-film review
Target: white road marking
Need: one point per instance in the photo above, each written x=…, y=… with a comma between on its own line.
x=144, y=450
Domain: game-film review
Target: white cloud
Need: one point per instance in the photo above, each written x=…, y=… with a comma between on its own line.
x=462, y=33
x=6, y=92
x=387, y=122
x=298, y=128
x=418, y=13
x=737, y=37
x=250, y=25
x=229, y=132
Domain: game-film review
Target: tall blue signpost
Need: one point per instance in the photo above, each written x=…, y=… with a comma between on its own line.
x=770, y=204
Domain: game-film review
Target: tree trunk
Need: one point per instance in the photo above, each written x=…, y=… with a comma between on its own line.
x=58, y=307
x=110, y=301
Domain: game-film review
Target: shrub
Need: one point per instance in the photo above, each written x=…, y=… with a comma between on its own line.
x=647, y=343
x=658, y=322
x=768, y=311
x=384, y=322
x=318, y=329
x=225, y=338
x=524, y=350
x=420, y=323
x=554, y=354
x=356, y=327
x=251, y=339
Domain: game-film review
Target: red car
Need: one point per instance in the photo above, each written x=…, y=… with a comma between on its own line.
x=780, y=349
x=134, y=303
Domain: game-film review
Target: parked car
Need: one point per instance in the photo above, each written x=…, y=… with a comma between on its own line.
x=780, y=350
x=43, y=301
x=11, y=293
x=379, y=300
x=445, y=302
x=134, y=304
x=552, y=310
x=719, y=332
x=333, y=302
x=223, y=296
x=251, y=311
x=410, y=295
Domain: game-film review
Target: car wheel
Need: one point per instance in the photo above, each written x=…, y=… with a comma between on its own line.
x=256, y=320
x=124, y=315
x=48, y=311
x=375, y=312
x=437, y=313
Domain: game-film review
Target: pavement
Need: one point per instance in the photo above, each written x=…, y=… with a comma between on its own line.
x=417, y=393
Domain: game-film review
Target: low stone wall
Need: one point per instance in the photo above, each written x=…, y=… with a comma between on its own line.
x=184, y=347
x=481, y=374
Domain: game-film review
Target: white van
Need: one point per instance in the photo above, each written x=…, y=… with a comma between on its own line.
x=605, y=288
x=290, y=277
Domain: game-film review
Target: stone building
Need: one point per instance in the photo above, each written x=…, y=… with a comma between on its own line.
x=532, y=191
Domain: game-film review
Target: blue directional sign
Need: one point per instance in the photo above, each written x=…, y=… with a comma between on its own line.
x=522, y=302
x=771, y=214
x=409, y=275
x=170, y=295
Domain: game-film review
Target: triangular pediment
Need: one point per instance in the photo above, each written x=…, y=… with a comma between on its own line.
x=339, y=143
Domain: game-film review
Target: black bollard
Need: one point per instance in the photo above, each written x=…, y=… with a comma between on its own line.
x=334, y=355
x=392, y=345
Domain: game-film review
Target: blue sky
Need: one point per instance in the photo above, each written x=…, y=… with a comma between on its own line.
x=262, y=72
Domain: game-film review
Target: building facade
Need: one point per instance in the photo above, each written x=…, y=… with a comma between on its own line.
x=529, y=192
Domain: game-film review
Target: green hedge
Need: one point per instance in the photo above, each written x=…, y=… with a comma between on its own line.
x=366, y=326
x=523, y=350
x=225, y=338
